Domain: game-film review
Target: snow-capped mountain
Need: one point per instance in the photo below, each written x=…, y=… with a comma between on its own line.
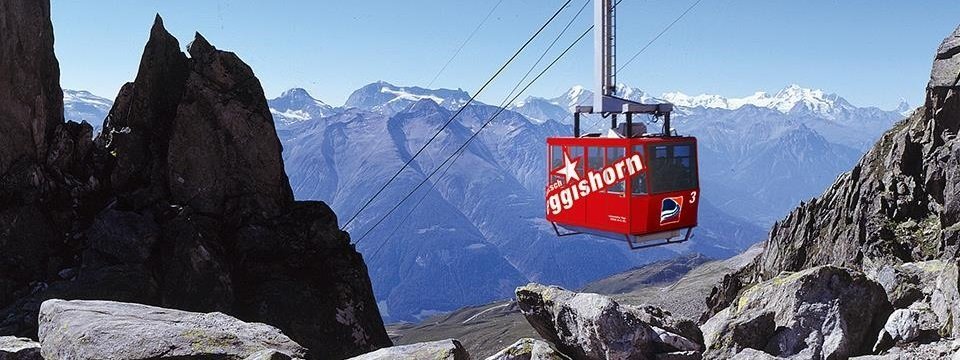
x=560, y=108
x=783, y=101
x=297, y=105
x=81, y=105
x=480, y=229
x=541, y=110
x=383, y=97
x=904, y=108
x=802, y=102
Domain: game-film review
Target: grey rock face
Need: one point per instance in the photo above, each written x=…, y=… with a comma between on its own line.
x=945, y=301
x=112, y=330
x=529, y=349
x=947, y=62
x=449, y=349
x=824, y=312
x=14, y=348
x=906, y=325
x=927, y=299
x=592, y=326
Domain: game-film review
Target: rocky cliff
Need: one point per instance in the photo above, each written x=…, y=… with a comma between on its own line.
x=900, y=203
x=181, y=202
x=895, y=217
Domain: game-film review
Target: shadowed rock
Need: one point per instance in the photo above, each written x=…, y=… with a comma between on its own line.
x=31, y=101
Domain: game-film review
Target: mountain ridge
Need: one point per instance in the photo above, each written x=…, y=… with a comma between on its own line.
x=332, y=153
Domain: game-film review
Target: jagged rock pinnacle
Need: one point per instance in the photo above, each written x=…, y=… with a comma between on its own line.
x=200, y=48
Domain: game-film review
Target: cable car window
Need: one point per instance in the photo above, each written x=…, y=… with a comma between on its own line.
x=638, y=183
x=672, y=168
x=614, y=154
x=556, y=157
x=576, y=154
x=594, y=158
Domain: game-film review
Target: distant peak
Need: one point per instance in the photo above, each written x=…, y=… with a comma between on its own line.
x=904, y=107
x=296, y=92
x=382, y=83
x=298, y=99
x=425, y=105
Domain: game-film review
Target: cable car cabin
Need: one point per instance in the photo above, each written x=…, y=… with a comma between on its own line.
x=643, y=190
x=630, y=185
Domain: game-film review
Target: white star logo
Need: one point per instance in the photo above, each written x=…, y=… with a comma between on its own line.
x=569, y=169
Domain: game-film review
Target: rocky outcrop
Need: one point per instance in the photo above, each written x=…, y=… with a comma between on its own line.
x=899, y=205
x=528, y=349
x=449, y=349
x=181, y=202
x=824, y=312
x=593, y=326
x=14, y=348
x=113, y=330
x=31, y=101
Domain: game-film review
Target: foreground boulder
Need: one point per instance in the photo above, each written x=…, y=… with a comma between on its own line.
x=112, y=330
x=824, y=312
x=529, y=349
x=449, y=349
x=593, y=326
x=14, y=348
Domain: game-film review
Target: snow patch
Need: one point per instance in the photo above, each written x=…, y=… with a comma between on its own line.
x=403, y=95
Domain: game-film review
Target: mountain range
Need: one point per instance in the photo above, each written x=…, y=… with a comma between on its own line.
x=480, y=227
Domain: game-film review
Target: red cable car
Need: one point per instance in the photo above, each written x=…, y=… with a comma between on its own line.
x=628, y=185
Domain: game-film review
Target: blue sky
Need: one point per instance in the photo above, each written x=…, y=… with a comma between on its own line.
x=872, y=52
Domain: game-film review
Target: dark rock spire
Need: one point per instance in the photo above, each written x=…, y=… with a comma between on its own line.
x=182, y=202
x=31, y=101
